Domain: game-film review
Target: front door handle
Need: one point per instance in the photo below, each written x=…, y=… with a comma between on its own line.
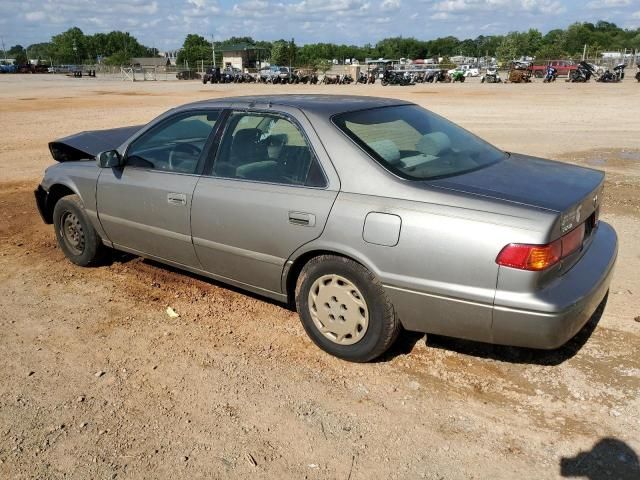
x=177, y=198
x=302, y=218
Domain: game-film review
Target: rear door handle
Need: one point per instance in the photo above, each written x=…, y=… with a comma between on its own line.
x=302, y=218
x=177, y=198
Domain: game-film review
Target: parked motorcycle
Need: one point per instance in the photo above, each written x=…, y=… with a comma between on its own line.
x=582, y=73
x=551, y=75
x=395, y=78
x=212, y=76
x=438, y=76
x=457, y=76
x=638, y=74
x=491, y=76
x=613, y=77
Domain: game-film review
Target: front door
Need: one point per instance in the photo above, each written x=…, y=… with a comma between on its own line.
x=267, y=196
x=145, y=206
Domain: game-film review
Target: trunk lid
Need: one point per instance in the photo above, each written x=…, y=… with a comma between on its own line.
x=529, y=181
x=573, y=192
x=86, y=145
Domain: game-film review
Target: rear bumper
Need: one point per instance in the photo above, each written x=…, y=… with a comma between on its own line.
x=563, y=307
x=540, y=318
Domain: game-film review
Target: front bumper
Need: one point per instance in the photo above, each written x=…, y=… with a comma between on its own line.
x=569, y=301
x=41, y=201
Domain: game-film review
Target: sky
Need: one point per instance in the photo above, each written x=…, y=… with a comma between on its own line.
x=163, y=24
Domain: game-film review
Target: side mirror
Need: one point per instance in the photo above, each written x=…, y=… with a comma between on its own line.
x=109, y=159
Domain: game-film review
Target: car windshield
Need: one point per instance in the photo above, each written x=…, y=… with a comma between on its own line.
x=415, y=143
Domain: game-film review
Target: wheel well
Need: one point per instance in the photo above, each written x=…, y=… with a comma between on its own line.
x=56, y=192
x=298, y=265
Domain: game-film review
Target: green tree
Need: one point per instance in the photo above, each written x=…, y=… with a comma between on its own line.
x=323, y=65
x=508, y=49
x=69, y=46
x=194, y=50
x=15, y=50
x=279, y=53
x=20, y=58
x=550, y=52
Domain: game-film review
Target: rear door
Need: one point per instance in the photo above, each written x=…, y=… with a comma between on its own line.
x=270, y=191
x=144, y=206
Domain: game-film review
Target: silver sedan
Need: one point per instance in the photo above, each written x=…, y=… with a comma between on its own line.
x=369, y=215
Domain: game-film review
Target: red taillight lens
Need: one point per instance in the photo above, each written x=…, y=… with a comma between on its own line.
x=572, y=241
x=530, y=257
x=540, y=257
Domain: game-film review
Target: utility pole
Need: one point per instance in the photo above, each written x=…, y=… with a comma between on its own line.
x=213, y=52
x=3, y=50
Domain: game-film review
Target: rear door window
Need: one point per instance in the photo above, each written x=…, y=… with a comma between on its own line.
x=269, y=148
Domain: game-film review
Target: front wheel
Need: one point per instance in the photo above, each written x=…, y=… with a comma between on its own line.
x=384, y=82
x=344, y=309
x=76, y=236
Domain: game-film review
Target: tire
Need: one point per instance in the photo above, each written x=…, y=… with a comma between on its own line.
x=376, y=319
x=384, y=82
x=75, y=234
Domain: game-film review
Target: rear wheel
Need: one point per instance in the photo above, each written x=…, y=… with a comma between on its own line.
x=344, y=309
x=76, y=236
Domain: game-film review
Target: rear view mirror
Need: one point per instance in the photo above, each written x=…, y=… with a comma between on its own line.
x=109, y=159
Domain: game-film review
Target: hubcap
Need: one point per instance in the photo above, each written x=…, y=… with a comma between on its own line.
x=72, y=233
x=338, y=309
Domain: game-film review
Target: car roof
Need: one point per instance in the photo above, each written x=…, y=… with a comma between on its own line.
x=324, y=105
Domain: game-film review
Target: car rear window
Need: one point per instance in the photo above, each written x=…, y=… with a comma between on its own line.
x=415, y=143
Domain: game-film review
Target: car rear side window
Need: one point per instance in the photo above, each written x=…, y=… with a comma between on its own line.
x=175, y=145
x=267, y=148
x=415, y=143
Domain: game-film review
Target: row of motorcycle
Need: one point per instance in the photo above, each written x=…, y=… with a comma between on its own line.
x=585, y=72
x=386, y=77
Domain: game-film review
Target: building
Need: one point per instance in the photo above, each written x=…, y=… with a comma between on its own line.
x=243, y=55
x=171, y=55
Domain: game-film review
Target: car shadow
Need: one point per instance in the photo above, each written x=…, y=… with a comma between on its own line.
x=609, y=458
x=123, y=258
x=502, y=353
x=407, y=340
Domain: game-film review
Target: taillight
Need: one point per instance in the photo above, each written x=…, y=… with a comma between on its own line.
x=572, y=241
x=541, y=257
x=530, y=257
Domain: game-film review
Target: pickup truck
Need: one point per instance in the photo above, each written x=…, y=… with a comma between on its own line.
x=564, y=68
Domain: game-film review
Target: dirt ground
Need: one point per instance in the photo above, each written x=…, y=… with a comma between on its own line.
x=96, y=381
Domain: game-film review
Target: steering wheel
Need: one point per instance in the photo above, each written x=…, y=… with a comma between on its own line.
x=182, y=148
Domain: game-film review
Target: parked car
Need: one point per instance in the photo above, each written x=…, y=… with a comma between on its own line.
x=367, y=214
x=469, y=71
x=563, y=67
x=5, y=68
x=188, y=75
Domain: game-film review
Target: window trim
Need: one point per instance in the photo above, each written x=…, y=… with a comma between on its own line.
x=215, y=152
x=200, y=166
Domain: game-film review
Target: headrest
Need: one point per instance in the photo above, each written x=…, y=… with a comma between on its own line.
x=433, y=143
x=387, y=149
x=246, y=135
x=278, y=139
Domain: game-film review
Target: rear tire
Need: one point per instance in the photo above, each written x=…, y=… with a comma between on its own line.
x=76, y=236
x=344, y=309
